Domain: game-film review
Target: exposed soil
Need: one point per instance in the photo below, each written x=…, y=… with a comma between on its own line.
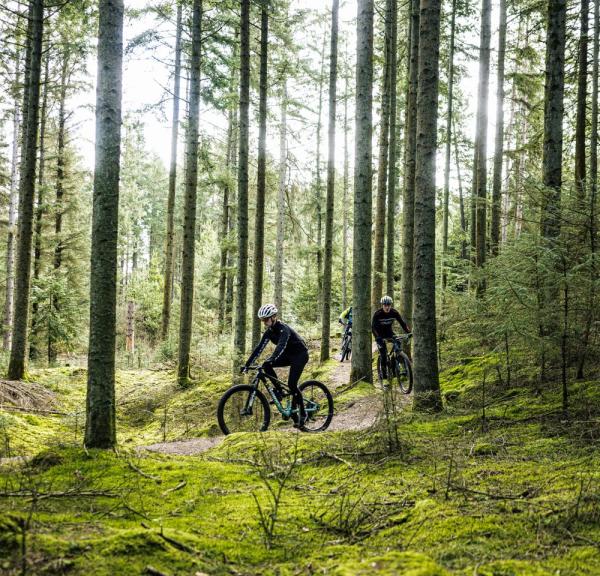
x=356, y=415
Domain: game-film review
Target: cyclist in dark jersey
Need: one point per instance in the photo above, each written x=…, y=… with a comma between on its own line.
x=381, y=326
x=290, y=350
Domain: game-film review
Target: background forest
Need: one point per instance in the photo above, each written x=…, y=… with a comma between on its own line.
x=166, y=167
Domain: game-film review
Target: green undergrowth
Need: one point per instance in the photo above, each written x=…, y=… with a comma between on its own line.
x=499, y=484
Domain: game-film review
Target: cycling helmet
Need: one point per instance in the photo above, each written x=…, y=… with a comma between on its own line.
x=266, y=311
x=386, y=300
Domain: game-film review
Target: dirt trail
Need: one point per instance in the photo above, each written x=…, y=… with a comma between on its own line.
x=356, y=415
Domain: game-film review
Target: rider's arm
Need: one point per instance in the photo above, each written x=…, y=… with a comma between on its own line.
x=344, y=316
x=259, y=349
x=283, y=340
x=401, y=321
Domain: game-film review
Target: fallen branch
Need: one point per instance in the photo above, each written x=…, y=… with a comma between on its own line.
x=175, y=488
x=156, y=479
x=66, y=494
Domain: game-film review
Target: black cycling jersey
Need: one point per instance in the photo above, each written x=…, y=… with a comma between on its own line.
x=381, y=325
x=287, y=342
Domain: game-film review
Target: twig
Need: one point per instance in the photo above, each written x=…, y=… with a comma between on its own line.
x=178, y=487
x=156, y=479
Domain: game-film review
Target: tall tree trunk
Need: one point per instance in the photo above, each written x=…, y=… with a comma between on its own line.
x=100, y=426
x=170, y=242
x=39, y=213
x=279, y=247
x=449, y=112
x=259, y=220
x=480, y=160
x=499, y=141
x=12, y=215
x=392, y=172
x=593, y=186
x=319, y=197
x=225, y=218
x=461, y=200
x=361, y=273
x=382, y=170
x=426, y=377
x=328, y=263
x=410, y=146
x=553, y=118
x=242, y=216
x=18, y=353
x=582, y=73
x=60, y=191
x=345, y=201
x=189, y=218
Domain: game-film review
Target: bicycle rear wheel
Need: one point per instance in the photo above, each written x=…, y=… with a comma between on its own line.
x=318, y=404
x=403, y=375
x=243, y=408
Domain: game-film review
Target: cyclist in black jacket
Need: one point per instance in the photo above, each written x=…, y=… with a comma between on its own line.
x=290, y=350
x=381, y=326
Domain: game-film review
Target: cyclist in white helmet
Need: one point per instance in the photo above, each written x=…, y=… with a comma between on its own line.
x=381, y=326
x=290, y=350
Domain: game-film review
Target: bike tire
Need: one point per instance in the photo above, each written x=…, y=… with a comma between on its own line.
x=345, y=349
x=234, y=401
x=315, y=392
x=403, y=373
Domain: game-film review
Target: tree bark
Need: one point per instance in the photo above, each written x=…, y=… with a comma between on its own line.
x=328, y=262
x=189, y=218
x=480, y=160
x=408, y=208
x=259, y=220
x=553, y=118
x=382, y=169
x=593, y=186
x=170, y=240
x=279, y=247
x=499, y=140
x=242, y=216
x=392, y=172
x=18, y=354
x=449, y=112
x=318, y=196
x=345, y=201
x=12, y=215
x=361, y=276
x=100, y=427
x=60, y=192
x=426, y=378
x=39, y=213
x=580, y=122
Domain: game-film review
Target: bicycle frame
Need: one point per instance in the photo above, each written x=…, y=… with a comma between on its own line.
x=285, y=411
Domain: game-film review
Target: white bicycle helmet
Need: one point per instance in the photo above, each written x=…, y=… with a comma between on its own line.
x=266, y=311
x=386, y=300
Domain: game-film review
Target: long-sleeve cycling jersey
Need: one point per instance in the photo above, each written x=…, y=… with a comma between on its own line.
x=381, y=325
x=346, y=316
x=287, y=342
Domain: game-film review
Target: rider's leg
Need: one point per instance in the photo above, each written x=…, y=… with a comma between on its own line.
x=296, y=364
x=383, y=355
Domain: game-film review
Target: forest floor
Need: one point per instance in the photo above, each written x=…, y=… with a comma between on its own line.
x=499, y=484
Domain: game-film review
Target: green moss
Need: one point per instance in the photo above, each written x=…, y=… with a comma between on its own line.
x=393, y=563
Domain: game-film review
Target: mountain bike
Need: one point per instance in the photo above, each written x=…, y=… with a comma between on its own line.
x=399, y=366
x=245, y=408
x=346, y=349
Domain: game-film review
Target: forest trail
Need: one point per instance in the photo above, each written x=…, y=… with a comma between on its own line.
x=356, y=415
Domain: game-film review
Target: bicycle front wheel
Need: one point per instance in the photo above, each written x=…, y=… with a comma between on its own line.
x=403, y=373
x=345, y=349
x=243, y=408
x=318, y=404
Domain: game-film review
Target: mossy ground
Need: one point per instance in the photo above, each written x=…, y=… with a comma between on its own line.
x=514, y=493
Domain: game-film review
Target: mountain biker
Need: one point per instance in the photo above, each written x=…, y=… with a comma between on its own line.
x=290, y=350
x=381, y=326
x=346, y=317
